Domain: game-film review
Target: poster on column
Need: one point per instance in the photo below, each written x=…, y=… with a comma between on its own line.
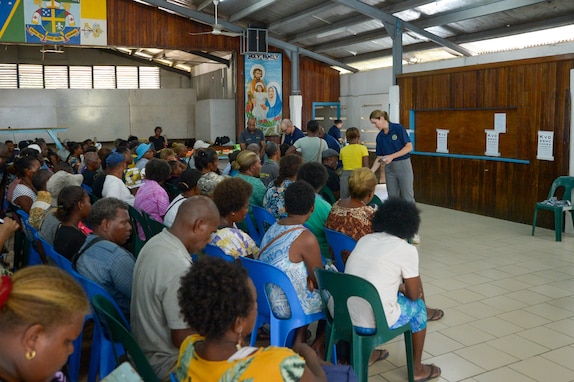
x=263, y=91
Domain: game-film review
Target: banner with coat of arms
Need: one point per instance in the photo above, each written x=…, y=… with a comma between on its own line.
x=51, y=22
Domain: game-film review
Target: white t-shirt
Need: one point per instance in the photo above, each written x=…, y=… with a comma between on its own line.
x=115, y=187
x=384, y=260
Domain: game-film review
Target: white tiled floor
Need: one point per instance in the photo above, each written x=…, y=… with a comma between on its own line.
x=508, y=299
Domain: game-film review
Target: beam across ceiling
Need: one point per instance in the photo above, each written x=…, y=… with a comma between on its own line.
x=298, y=17
x=356, y=18
x=467, y=38
x=439, y=19
x=204, y=5
x=210, y=20
x=386, y=18
x=211, y=57
x=251, y=9
x=473, y=12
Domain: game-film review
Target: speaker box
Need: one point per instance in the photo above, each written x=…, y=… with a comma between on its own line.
x=256, y=41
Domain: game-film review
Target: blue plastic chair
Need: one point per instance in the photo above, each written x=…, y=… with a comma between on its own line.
x=51, y=254
x=339, y=242
x=252, y=229
x=215, y=251
x=101, y=347
x=86, y=187
x=66, y=265
x=282, y=329
x=34, y=257
x=264, y=219
x=103, y=353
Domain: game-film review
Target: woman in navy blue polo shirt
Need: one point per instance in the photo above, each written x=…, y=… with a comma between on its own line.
x=393, y=149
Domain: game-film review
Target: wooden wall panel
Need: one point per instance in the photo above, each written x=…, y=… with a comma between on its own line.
x=136, y=25
x=539, y=90
x=318, y=83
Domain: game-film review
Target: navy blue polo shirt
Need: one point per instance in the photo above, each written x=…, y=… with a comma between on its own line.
x=393, y=141
x=292, y=138
x=332, y=143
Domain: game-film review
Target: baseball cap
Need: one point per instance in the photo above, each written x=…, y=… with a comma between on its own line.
x=59, y=180
x=329, y=153
x=114, y=159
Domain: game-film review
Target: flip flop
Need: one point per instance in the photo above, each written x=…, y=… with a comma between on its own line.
x=437, y=315
x=431, y=374
x=381, y=355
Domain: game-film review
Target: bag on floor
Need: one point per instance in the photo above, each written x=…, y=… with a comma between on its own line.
x=340, y=373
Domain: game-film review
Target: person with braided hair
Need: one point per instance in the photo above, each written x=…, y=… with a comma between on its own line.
x=42, y=311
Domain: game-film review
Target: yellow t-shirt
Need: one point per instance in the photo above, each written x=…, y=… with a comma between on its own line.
x=265, y=364
x=352, y=156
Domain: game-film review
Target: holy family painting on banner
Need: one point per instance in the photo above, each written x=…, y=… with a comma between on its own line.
x=263, y=91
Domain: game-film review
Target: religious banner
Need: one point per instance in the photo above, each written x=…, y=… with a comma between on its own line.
x=263, y=91
x=54, y=22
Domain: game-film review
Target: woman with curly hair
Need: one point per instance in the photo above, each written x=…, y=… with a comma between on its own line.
x=274, y=199
x=231, y=197
x=222, y=317
x=391, y=264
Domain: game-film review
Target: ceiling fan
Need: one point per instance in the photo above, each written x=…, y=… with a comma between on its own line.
x=217, y=29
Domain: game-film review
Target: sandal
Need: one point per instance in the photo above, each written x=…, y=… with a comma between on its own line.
x=437, y=315
x=381, y=355
x=432, y=374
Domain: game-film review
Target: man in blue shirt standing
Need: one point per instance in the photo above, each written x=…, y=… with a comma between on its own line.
x=252, y=135
x=335, y=130
x=290, y=133
x=331, y=142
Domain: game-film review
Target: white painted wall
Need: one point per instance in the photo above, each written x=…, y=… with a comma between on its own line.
x=215, y=118
x=105, y=114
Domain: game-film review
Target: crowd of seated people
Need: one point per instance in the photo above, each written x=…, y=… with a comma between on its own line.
x=198, y=205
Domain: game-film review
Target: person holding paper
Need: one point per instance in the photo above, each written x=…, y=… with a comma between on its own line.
x=393, y=149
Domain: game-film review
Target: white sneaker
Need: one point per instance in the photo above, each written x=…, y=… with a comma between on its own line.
x=416, y=239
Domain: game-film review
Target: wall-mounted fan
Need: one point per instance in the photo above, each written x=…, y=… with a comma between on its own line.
x=217, y=29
